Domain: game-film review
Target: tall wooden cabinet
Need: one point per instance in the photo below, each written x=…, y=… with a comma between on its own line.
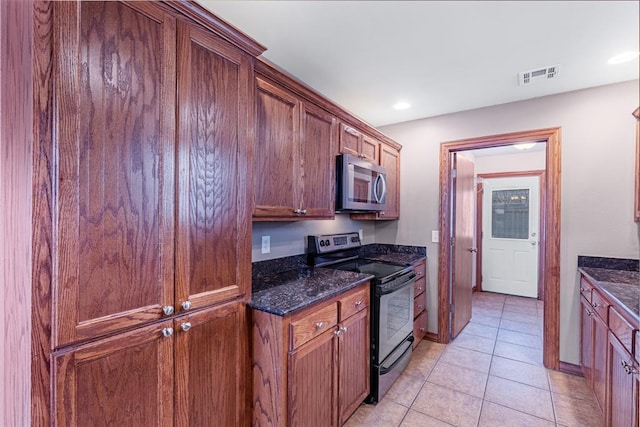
x=152, y=117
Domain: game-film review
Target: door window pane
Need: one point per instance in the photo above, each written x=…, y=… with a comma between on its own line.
x=510, y=214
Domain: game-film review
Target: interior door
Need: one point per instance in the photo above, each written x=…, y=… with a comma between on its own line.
x=511, y=217
x=462, y=243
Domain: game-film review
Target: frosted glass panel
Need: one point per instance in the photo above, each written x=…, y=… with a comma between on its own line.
x=510, y=214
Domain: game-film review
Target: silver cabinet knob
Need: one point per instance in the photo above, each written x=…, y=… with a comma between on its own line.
x=595, y=305
x=344, y=329
x=319, y=325
x=303, y=211
x=297, y=211
x=186, y=305
x=186, y=326
x=167, y=332
x=358, y=303
x=337, y=332
x=167, y=310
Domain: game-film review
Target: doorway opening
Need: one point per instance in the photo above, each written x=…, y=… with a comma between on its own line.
x=549, y=265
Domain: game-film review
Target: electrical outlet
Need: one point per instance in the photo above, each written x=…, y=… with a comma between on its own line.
x=435, y=236
x=360, y=234
x=266, y=244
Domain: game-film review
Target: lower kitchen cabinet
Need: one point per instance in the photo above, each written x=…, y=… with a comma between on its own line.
x=133, y=378
x=622, y=385
x=311, y=367
x=420, y=303
x=607, y=357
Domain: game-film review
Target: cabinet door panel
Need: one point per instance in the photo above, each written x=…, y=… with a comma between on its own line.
x=213, y=229
x=599, y=372
x=317, y=162
x=390, y=160
x=114, y=109
x=353, y=373
x=276, y=173
x=370, y=149
x=312, y=379
x=586, y=339
x=350, y=140
x=126, y=380
x=211, y=363
x=623, y=404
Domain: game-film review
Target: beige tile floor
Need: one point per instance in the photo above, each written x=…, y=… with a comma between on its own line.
x=490, y=375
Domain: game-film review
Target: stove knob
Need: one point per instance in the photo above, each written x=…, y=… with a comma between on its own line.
x=327, y=243
x=321, y=243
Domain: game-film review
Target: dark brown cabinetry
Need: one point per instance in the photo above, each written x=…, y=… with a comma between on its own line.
x=356, y=143
x=312, y=367
x=607, y=357
x=420, y=302
x=152, y=122
x=294, y=173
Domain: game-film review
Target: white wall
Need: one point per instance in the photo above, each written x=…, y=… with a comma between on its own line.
x=289, y=238
x=598, y=151
x=525, y=161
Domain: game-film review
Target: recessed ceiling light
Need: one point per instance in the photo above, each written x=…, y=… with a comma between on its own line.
x=401, y=106
x=525, y=145
x=624, y=57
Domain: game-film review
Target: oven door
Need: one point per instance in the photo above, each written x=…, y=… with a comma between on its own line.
x=395, y=321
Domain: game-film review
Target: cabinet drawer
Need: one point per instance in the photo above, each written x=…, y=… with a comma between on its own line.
x=313, y=324
x=353, y=303
x=421, y=270
x=621, y=329
x=419, y=305
x=585, y=289
x=419, y=327
x=419, y=287
x=599, y=305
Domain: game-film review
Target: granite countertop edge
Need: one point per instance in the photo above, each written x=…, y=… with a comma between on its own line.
x=612, y=289
x=269, y=300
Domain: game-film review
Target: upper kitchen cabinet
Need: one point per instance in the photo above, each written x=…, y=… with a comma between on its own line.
x=356, y=143
x=294, y=163
x=114, y=145
x=390, y=160
x=215, y=98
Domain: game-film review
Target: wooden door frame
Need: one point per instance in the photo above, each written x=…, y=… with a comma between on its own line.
x=550, y=263
x=541, y=174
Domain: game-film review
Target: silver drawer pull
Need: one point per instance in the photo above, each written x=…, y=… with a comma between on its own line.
x=167, y=310
x=344, y=329
x=337, y=332
x=167, y=332
x=358, y=303
x=595, y=305
x=319, y=325
x=419, y=288
x=186, y=326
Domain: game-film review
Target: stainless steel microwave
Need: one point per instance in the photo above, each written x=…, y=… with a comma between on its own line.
x=361, y=185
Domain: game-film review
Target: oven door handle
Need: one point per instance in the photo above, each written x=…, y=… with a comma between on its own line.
x=381, y=290
x=384, y=370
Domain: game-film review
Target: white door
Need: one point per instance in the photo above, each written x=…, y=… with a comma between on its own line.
x=510, y=232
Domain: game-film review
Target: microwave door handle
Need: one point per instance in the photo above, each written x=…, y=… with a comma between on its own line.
x=379, y=198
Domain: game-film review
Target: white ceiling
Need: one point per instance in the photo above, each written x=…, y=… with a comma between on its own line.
x=440, y=56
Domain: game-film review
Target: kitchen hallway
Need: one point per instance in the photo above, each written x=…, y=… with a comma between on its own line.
x=490, y=375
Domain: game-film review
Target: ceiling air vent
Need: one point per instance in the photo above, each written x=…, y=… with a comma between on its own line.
x=546, y=73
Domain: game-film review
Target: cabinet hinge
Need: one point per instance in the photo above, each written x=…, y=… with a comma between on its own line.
x=452, y=308
x=454, y=173
x=453, y=241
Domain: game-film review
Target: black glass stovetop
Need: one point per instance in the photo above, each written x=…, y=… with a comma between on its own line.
x=378, y=269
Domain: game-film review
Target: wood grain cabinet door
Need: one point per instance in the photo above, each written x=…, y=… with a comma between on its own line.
x=370, y=149
x=114, y=109
x=586, y=339
x=353, y=359
x=211, y=364
x=277, y=172
x=622, y=408
x=390, y=160
x=317, y=162
x=213, y=225
x=599, y=370
x=350, y=140
x=312, y=383
x=125, y=380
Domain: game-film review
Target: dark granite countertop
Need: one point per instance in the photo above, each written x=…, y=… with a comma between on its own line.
x=285, y=292
x=622, y=286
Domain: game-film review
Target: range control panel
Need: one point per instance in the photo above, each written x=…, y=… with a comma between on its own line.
x=332, y=242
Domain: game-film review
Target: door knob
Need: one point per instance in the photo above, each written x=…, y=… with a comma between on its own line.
x=473, y=250
x=534, y=243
